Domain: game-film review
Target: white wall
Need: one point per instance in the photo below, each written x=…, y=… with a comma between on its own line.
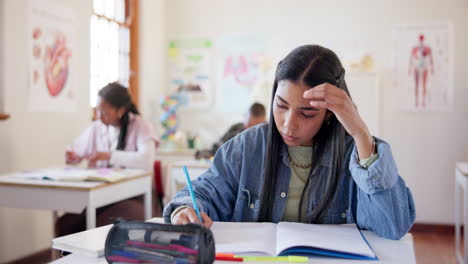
x=1, y=57
x=153, y=52
x=425, y=145
x=34, y=140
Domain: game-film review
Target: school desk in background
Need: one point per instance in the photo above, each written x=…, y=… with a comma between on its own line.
x=64, y=190
x=176, y=175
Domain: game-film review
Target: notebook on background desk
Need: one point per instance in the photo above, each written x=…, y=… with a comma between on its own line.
x=285, y=238
x=79, y=174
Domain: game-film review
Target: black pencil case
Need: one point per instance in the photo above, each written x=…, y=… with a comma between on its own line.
x=142, y=242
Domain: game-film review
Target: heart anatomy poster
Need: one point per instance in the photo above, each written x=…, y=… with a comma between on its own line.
x=52, y=72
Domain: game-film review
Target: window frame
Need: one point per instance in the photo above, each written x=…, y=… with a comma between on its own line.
x=132, y=23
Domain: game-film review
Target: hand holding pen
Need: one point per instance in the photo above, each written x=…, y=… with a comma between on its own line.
x=191, y=215
x=188, y=215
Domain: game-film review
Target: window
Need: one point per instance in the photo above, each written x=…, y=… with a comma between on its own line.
x=114, y=44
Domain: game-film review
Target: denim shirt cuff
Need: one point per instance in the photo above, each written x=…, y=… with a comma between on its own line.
x=366, y=163
x=380, y=175
x=176, y=211
x=175, y=204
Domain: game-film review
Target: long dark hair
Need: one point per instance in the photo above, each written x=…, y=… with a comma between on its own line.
x=117, y=95
x=310, y=65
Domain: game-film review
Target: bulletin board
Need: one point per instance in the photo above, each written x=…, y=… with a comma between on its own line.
x=190, y=70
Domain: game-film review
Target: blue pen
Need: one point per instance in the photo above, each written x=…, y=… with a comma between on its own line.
x=192, y=194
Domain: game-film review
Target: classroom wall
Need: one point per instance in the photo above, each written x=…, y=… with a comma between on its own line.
x=425, y=145
x=35, y=140
x=1, y=57
x=152, y=70
x=30, y=139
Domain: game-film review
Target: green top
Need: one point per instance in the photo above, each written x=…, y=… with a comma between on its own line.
x=298, y=156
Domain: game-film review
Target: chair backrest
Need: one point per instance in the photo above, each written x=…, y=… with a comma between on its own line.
x=158, y=185
x=177, y=176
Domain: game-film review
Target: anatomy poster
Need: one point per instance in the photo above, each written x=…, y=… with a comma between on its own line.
x=424, y=67
x=190, y=67
x=245, y=71
x=51, y=54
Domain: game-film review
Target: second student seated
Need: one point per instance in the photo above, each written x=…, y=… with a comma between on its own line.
x=256, y=115
x=120, y=138
x=314, y=162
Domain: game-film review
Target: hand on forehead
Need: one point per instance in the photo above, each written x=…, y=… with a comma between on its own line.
x=292, y=93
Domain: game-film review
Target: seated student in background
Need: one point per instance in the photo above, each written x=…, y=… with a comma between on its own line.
x=257, y=115
x=314, y=162
x=120, y=138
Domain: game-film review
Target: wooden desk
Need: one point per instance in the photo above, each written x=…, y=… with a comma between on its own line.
x=388, y=251
x=461, y=183
x=73, y=197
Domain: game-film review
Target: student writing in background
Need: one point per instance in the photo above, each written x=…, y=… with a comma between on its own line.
x=256, y=115
x=120, y=138
x=314, y=162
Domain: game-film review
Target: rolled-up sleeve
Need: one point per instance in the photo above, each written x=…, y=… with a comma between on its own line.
x=383, y=202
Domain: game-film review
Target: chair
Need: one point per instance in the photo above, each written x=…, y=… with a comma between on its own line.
x=158, y=183
x=176, y=175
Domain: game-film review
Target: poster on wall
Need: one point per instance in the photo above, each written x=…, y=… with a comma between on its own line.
x=245, y=71
x=190, y=71
x=424, y=67
x=51, y=35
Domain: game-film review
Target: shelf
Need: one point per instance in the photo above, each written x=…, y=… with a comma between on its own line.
x=4, y=116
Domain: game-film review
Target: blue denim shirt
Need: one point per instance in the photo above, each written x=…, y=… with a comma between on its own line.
x=376, y=198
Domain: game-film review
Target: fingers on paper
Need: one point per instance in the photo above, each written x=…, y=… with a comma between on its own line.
x=186, y=216
x=207, y=222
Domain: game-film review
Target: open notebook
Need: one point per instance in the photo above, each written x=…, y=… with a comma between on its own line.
x=80, y=174
x=285, y=238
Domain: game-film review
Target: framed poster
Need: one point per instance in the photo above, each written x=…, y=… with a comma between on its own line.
x=51, y=50
x=245, y=71
x=424, y=66
x=190, y=71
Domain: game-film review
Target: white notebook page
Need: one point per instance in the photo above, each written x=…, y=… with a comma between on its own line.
x=245, y=238
x=344, y=238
